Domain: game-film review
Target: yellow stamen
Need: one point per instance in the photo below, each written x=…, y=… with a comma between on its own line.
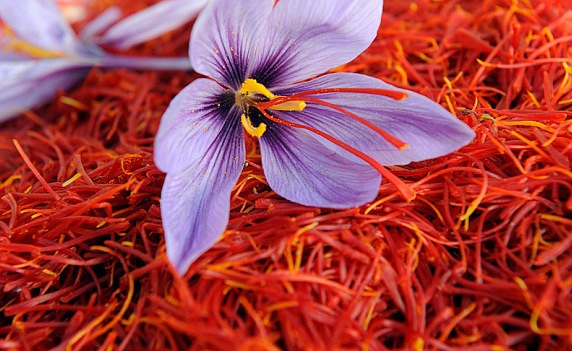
x=252, y=86
x=29, y=49
x=252, y=130
x=290, y=106
x=18, y=45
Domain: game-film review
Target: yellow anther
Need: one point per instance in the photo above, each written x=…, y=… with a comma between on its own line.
x=17, y=45
x=252, y=130
x=252, y=86
x=31, y=50
x=290, y=106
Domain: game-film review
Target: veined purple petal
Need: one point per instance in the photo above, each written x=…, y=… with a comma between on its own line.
x=316, y=36
x=429, y=129
x=27, y=84
x=228, y=39
x=151, y=22
x=197, y=119
x=195, y=200
x=40, y=23
x=296, y=40
x=303, y=170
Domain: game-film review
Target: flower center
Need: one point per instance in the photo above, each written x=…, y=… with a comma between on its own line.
x=252, y=93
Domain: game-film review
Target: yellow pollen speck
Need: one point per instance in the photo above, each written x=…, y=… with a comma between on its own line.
x=252, y=130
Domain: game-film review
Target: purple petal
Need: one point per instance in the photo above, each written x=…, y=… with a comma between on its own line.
x=40, y=23
x=27, y=84
x=322, y=34
x=296, y=40
x=429, y=129
x=227, y=39
x=195, y=200
x=151, y=22
x=199, y=116
x=303, y=170
x=100, y=24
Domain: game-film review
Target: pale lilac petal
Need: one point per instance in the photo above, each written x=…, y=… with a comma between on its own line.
x=199, y=116
x=228, y=39
x=303, y=170
x=320, y=35
x=195, y=200
x=27, y=84
x=151, y=23
x=5, y=52
x=40, y=23
x=101, y=23
x=296, y=40
x=429, y=129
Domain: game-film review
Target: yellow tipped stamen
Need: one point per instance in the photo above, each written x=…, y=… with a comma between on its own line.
x=18, y=45
x=252, y=130
x=290, y=106
x=252, y=86
x=29, y=49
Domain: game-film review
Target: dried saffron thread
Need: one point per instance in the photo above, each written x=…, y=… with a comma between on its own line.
x=35, y=171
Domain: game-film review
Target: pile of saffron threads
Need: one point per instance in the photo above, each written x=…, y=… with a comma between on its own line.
x=480, y=260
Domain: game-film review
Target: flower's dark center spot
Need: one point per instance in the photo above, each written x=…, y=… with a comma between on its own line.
x=252, y=93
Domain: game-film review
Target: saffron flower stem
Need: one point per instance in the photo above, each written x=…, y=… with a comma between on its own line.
x=145, y=63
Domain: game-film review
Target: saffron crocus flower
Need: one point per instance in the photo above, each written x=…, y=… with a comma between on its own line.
x=322, y=138
x=40, y=53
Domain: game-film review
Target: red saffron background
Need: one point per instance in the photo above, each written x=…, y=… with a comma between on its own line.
x=480, y=260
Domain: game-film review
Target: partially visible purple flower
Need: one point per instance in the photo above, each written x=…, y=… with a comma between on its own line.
x=147, y=24
x=322, y=138
x=40, y=53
